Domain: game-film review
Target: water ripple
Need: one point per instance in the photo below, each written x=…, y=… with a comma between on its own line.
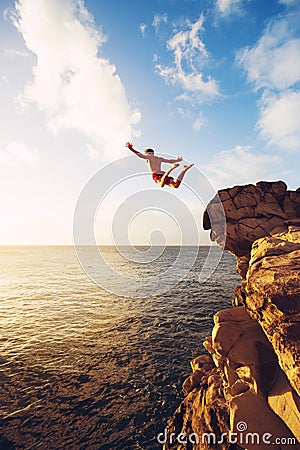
x=83, y=369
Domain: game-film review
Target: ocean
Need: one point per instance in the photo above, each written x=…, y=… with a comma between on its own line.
x=83, y=368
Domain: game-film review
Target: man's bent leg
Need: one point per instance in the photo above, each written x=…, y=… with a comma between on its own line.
x=166, y=174
x=181, y=175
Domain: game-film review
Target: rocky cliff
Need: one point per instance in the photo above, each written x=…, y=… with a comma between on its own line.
x=245, y=392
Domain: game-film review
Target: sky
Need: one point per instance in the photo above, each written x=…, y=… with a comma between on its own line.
x=216, y=81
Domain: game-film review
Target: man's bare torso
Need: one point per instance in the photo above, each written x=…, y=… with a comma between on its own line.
x=154, y=163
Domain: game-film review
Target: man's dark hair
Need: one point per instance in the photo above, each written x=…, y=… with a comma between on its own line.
x=149, y=150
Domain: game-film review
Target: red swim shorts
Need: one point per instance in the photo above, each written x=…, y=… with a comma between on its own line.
x=157, y=177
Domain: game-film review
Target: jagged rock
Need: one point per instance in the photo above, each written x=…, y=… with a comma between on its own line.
x=192, y=381
x=242, y=264
x=210, y=413
x=250, y=367
x=180, y=426
x=255, y=345
x=239, y=295
x=273, y=296
x=246, y=365
x=200, y=366
x=238, y=216
x=265, y=220
x=239, y=344
x=262, y=426
x=201, y=418
x=202, y=362
x=283, y=400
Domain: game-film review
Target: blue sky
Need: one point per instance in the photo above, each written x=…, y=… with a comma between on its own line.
x=214, y=81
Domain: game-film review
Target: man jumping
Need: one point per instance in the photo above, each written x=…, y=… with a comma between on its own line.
x=154, y=163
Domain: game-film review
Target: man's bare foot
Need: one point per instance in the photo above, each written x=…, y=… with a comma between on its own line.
x=174, y=166
x=188, y=166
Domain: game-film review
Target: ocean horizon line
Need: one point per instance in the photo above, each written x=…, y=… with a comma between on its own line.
x=104, y=245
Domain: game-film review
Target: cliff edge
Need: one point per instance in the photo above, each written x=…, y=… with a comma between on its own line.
x=244, y=394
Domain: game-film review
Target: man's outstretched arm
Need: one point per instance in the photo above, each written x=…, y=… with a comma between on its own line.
x=180, y=158
x=139, y=154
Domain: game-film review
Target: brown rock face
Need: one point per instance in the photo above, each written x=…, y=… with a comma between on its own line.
x=262, y=230
x=246, y=388
x=252, y=377
x=273, y=296
x=238, y=216
x=247, y=359
x=202, y=416
x=241, y=349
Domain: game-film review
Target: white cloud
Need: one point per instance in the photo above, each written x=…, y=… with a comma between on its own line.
x=273, y=65
x=189, y=52
x=17, y=151
x=228, y=7
x=279, y=120
x=72, y=86
x=143, y=28
x=274, y=62
x=158, y=20
x=196, y=118
x=198, y=122
x=242, y=165
x=12, y=52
